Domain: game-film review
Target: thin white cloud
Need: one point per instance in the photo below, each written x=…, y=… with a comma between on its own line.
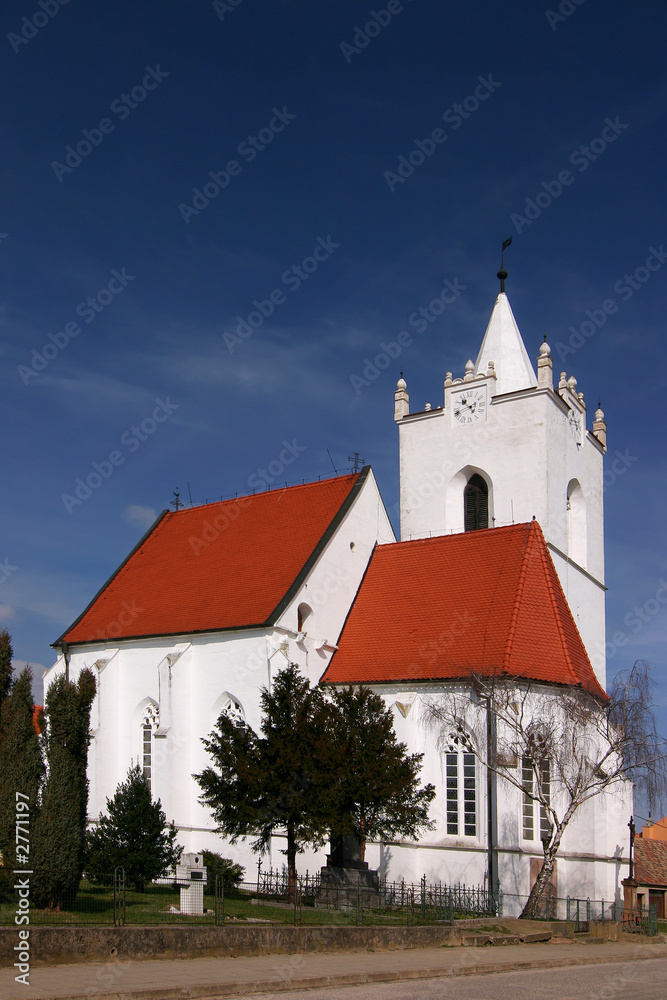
x=143, y=517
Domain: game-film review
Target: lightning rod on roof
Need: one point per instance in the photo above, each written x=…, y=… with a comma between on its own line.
x=332, y=461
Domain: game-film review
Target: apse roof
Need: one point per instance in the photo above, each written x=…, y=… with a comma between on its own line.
x=484, y=602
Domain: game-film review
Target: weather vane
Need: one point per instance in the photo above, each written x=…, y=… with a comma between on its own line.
x=176, y=502
x=502, y=273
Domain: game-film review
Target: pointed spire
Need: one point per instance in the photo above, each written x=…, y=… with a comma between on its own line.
x=401, y=399
x=504, y=346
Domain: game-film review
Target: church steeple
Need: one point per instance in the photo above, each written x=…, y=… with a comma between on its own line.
x=504, y=345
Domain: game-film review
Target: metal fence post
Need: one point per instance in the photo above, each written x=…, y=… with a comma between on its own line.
x=119, y=897
x=219, y=901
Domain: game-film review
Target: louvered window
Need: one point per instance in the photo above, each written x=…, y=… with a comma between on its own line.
x=476, y=503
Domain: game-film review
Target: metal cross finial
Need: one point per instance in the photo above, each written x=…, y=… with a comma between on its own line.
x=631, y=827
x=176, y=502
x=356, y=461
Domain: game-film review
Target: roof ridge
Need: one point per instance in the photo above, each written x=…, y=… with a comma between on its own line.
x=549, y=568
x=260, y=493
x=343, y=508
x=523, y=572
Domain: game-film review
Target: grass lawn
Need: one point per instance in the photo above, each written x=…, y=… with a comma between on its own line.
x=94, y=905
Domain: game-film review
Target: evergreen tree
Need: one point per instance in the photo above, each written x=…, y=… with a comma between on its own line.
x=59, y=835
x=372, y=782
x=260, y=785
x=134, y=835
x=319, y=768
x=21, y=769
x=6, y=654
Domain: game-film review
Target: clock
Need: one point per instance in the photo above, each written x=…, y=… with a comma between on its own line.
x=469, y=405
x=574, y=423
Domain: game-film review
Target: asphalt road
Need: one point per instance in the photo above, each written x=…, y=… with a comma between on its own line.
x=646, y=980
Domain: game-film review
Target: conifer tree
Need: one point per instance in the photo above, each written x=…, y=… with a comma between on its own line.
x=21, y=768
x=59, y=835
x=320, y=768
x=134, y=835
x=262, y=784
x=6, y=654
x=372, y=783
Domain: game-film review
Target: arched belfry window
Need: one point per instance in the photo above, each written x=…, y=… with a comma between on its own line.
x=476, y=503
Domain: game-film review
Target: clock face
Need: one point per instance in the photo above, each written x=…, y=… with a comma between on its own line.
x=574, y=423
x=469, y=405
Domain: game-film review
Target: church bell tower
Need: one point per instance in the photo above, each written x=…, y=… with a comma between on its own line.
x=508, y=445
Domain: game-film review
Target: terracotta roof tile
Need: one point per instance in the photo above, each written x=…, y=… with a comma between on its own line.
x=220, y=566
x=486, y=602
x=650, y=861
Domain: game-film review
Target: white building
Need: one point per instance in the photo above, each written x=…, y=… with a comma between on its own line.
x=215, y=599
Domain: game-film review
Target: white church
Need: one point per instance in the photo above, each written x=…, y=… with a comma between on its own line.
x=499, y=572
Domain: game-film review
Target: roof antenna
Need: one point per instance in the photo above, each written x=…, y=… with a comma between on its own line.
x=502, y=273
x=190, y=494
x=176, y=502
x=332, y=461
x=356, y=458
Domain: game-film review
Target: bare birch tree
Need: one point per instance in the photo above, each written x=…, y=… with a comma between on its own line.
x=560, y=746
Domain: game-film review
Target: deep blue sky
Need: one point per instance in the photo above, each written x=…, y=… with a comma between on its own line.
x=222, y=74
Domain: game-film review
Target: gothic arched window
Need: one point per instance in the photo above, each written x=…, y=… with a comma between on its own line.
x=476, y=503
x=461, y=787
x=233, y=709
x=576, y=523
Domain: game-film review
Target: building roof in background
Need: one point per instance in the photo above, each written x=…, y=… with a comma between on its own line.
x=650, y=861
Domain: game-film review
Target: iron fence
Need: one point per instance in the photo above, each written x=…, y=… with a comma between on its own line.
x=114, y=899
x=306, y=900
x=583, y=912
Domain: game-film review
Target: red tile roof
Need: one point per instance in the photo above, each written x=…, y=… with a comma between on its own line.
x=220, y=566
x=650, y=861
x=486, y=602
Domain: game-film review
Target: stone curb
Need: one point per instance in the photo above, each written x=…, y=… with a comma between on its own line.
x=356, y=979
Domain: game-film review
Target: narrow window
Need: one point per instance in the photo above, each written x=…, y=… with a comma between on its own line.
x=476, y=504
x=528, y=801
x=530, y=804
x=545, y=786
x=469, y=796
x=148, y=751
x=461, y=787
x=452, y=793
x=302, y=615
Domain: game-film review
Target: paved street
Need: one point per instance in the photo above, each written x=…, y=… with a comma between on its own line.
x=594, y=971
x=646, y=980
